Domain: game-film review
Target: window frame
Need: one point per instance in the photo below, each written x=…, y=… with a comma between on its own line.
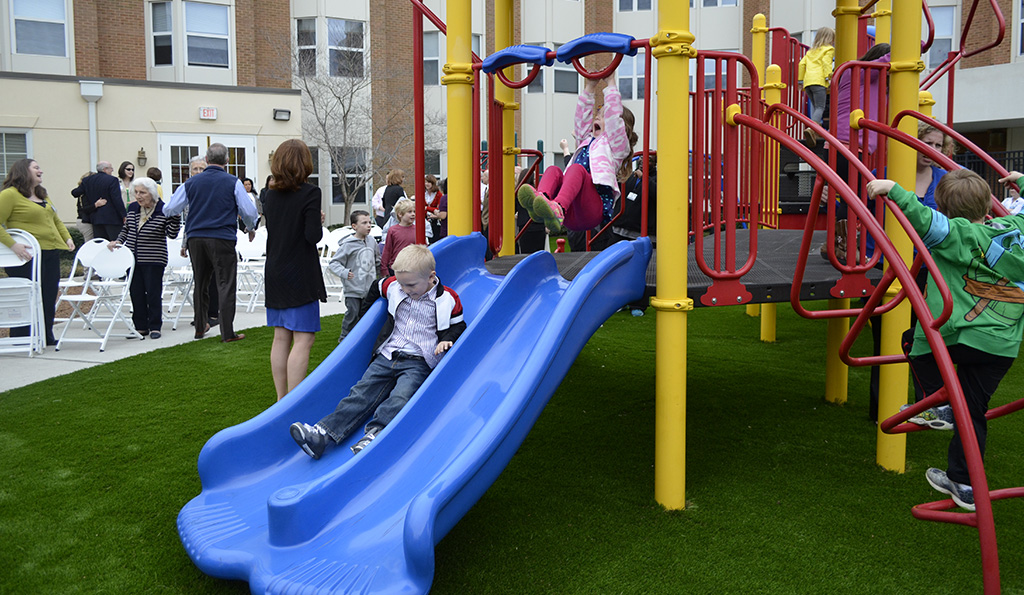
x=225, y=37
x=563, y=68
x=634, y=5
x=355, y=176
x=636, y=78
x=154, y=34
x=13, y=23
x=305, y=67
x=349, y=49
x=435, y=59
x=27, y=133
x=930, y=58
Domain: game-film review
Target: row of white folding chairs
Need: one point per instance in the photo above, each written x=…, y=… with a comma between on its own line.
x=109, y=294
x=21, y=300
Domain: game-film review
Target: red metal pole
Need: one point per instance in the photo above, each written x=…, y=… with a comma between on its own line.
x=418, y=123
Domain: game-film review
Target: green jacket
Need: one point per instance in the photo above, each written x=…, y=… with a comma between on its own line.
x=43, y=223
x=983, y=265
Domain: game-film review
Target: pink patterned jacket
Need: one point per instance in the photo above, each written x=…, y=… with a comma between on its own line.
x=608, y=151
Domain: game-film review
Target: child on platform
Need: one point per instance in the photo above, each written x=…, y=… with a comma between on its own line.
x=356, y=262
x=815, y=70
x=983, y=265
x=424, y=319
x=583, y=197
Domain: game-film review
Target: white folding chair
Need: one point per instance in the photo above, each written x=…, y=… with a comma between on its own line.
x=115, y=269
x=21, y=300
x=178, y=280
x=333, y=283
x=83, y=258
x=324, y=246
x=252, y=256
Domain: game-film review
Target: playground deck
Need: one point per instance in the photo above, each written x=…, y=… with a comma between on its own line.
x=768, y=281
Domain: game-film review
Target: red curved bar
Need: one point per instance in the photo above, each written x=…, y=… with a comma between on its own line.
x=970, y=20
x=927, y=43
x=518, y=84
x=578, y=65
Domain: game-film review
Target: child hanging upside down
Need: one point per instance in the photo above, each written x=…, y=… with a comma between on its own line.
x=582, y=197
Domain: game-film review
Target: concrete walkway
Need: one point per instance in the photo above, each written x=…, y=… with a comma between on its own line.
x=20, y=370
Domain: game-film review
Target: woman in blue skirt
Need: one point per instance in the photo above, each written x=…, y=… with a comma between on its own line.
x=293, y=278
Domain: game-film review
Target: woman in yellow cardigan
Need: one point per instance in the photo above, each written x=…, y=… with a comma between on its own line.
x=24, y=205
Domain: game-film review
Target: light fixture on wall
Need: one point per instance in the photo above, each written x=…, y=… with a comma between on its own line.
x=141, y=159
x=282, y=114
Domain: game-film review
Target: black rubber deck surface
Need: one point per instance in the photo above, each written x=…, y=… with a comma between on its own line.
x=768, y=281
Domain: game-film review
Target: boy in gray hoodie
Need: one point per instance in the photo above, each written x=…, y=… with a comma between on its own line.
x=357, y=262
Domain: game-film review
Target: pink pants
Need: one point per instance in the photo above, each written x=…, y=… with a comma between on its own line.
x=574, y=191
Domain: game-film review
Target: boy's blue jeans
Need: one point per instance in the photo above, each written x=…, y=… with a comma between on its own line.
x=384, y=389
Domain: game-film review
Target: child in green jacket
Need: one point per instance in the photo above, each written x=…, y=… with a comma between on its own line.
x=982, y=262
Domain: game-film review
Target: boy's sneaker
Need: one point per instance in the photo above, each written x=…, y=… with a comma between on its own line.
x=936, y=418
x=962, y=494
x=550, y=212
x=312, y=439
x=526, y=196
x=364, y=441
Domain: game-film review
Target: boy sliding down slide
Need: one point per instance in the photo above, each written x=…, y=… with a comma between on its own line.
x=982, y=262
x=424, y=319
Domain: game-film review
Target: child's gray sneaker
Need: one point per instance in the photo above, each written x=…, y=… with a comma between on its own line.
x=312, y=439
x=962, y=494
x=364, y=441
x=936, y=418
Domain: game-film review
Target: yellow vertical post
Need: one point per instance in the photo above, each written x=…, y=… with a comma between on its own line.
x=772, y=89
x=503, y=23
x=836, y=372
x=672, y=47
x=883, y=21
x=758, y=55
x=904, y=71
x=458, y=76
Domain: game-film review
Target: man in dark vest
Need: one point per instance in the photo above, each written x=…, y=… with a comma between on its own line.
x=101, y=209
x=215, y=200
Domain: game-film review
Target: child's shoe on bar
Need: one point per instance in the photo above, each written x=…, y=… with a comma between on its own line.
x=961, y=493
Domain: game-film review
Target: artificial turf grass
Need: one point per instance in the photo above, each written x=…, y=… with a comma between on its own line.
x=785, y=496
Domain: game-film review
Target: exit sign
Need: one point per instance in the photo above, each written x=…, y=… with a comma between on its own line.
x=207, y=113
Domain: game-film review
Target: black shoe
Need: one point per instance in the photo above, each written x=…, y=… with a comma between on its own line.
x=214, y=321
x=154, y=335
x=312, y=441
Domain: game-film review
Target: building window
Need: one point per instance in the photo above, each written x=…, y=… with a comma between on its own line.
x=476, y=43
x=631, y=77
x=711, y=3
x=206, y=34
x=631, y=5
x=354, y=172
x=345, y=47
x=39, y=27
x=945, y=19
x=181, y=157
x=431, y=58
x=305, y=30
x=163, y=48
x=566, y=78
x=14, y=145
x=432, y=162
x=709, y=74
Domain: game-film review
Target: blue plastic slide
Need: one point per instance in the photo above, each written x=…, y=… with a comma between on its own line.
x=270, y=515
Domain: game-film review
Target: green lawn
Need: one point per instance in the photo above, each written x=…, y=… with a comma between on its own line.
x=783, y=491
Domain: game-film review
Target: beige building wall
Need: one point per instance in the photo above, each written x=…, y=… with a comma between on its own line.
x=132, y=115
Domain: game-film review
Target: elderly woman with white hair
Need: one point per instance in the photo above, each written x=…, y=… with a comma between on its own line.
x=145, y=233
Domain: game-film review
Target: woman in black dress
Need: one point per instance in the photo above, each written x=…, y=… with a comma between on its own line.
x=294, y=283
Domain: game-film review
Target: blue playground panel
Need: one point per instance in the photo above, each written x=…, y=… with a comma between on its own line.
x=270, y=515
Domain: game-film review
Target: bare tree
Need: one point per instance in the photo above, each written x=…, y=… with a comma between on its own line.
x=339, y=116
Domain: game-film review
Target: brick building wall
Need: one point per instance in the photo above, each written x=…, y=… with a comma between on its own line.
x=110, y=39
x=87, y=59
x=271, y=38
x=984, y=30
x=391, y=90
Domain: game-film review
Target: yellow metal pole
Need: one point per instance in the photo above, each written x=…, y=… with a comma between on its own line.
x=672, y=46
x=758, y=53
x=837, y=374
x=883, y=21
x=503, y=25
x=458, y=76
x=904, y=69
x=772, y=89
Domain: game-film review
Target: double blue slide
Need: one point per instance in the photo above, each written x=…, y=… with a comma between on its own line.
x=270, y=515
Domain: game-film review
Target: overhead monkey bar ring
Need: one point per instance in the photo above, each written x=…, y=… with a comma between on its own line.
x=596, y=43
x=518, y=54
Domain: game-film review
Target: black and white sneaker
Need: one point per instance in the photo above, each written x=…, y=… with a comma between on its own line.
x=961, y=493
x=312, y=439
x=364, y=441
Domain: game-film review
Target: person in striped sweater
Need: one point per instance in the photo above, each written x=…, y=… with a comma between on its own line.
x=145, y=233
